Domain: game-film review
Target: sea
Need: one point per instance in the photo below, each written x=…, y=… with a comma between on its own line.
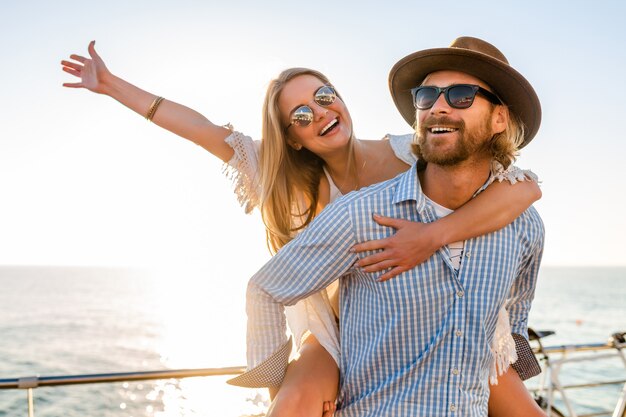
x=87, y=320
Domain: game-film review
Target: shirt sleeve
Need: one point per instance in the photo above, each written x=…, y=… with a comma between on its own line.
x=523, y=292
x=308, y=264
x=526, y=364
x=401, y=146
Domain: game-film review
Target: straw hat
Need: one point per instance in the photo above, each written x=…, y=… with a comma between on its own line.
x=474, y=57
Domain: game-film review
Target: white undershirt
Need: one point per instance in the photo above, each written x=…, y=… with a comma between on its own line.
x=455, y=248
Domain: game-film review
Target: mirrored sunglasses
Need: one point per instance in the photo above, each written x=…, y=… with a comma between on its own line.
x=458, y=96
x=303, y=115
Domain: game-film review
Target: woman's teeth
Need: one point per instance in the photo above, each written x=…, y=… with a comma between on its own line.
x=328, y=127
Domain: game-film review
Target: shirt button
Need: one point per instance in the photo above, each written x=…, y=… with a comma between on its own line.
x=458, y=333
x=468, y=254
x=460, y=294
x=455, y=371
x=452, y=407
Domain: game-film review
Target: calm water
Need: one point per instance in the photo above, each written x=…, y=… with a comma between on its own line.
x=76, y=320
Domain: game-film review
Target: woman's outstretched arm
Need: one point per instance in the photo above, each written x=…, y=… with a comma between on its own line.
x=413, y=243
x=183, y=121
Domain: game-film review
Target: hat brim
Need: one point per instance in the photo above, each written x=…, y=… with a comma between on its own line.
x=514, y=90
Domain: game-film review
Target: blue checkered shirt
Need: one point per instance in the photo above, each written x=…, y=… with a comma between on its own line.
x=418, y=344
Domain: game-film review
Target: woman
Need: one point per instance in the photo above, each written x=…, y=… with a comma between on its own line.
x=307, y=158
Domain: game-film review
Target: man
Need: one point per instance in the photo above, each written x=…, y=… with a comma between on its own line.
x=418, y=345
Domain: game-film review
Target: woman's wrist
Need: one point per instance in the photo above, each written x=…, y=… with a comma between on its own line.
x=439, y=233
x=111, y=85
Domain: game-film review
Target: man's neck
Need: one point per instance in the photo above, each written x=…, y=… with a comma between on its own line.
x=453, y=186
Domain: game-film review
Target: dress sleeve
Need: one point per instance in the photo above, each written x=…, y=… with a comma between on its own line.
x=503, y=347
x=314, y=315
x=512, y=174
x=243, y=169
x=401, y=146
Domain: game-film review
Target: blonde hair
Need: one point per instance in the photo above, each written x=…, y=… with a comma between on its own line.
x=289, y=178
x=504, y=146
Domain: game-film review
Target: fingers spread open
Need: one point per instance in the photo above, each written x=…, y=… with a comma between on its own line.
x=78, y=58
x=92, y=49
x=71, y=71
x=391, y=274
x=370, y=245
x=74, y=65
x=382, y=265
x=373, y=259
x=386, y=221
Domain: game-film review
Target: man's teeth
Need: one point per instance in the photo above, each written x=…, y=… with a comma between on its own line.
x=442, y=129
x=328, y=126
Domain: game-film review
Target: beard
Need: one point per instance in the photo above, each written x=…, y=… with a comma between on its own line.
x=468, y=143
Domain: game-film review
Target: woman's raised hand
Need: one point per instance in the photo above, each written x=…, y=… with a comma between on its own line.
x=181, y=120
x=91, y=71
x=411, y=245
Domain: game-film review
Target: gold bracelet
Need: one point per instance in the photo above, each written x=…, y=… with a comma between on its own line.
x=153, y=108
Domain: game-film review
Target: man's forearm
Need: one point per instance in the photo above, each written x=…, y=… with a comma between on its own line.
x=318, y=256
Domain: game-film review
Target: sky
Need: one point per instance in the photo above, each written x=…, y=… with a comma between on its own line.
x=85, y=181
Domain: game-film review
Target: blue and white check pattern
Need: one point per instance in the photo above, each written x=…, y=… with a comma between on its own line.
x=416, y=345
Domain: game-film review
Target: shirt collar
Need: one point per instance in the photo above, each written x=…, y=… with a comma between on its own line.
x=409, y=188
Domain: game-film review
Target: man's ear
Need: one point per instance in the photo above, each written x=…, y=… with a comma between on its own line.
x=499, y=119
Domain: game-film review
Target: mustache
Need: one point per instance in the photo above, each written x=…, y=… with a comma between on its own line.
x=431, y=121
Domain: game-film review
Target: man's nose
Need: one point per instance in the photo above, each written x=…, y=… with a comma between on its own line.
x=440, y=105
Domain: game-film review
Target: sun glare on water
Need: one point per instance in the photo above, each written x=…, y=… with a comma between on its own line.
x=200, y=316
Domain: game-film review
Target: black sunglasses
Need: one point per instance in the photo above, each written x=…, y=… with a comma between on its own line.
x=303, y=115
x=458, y=96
